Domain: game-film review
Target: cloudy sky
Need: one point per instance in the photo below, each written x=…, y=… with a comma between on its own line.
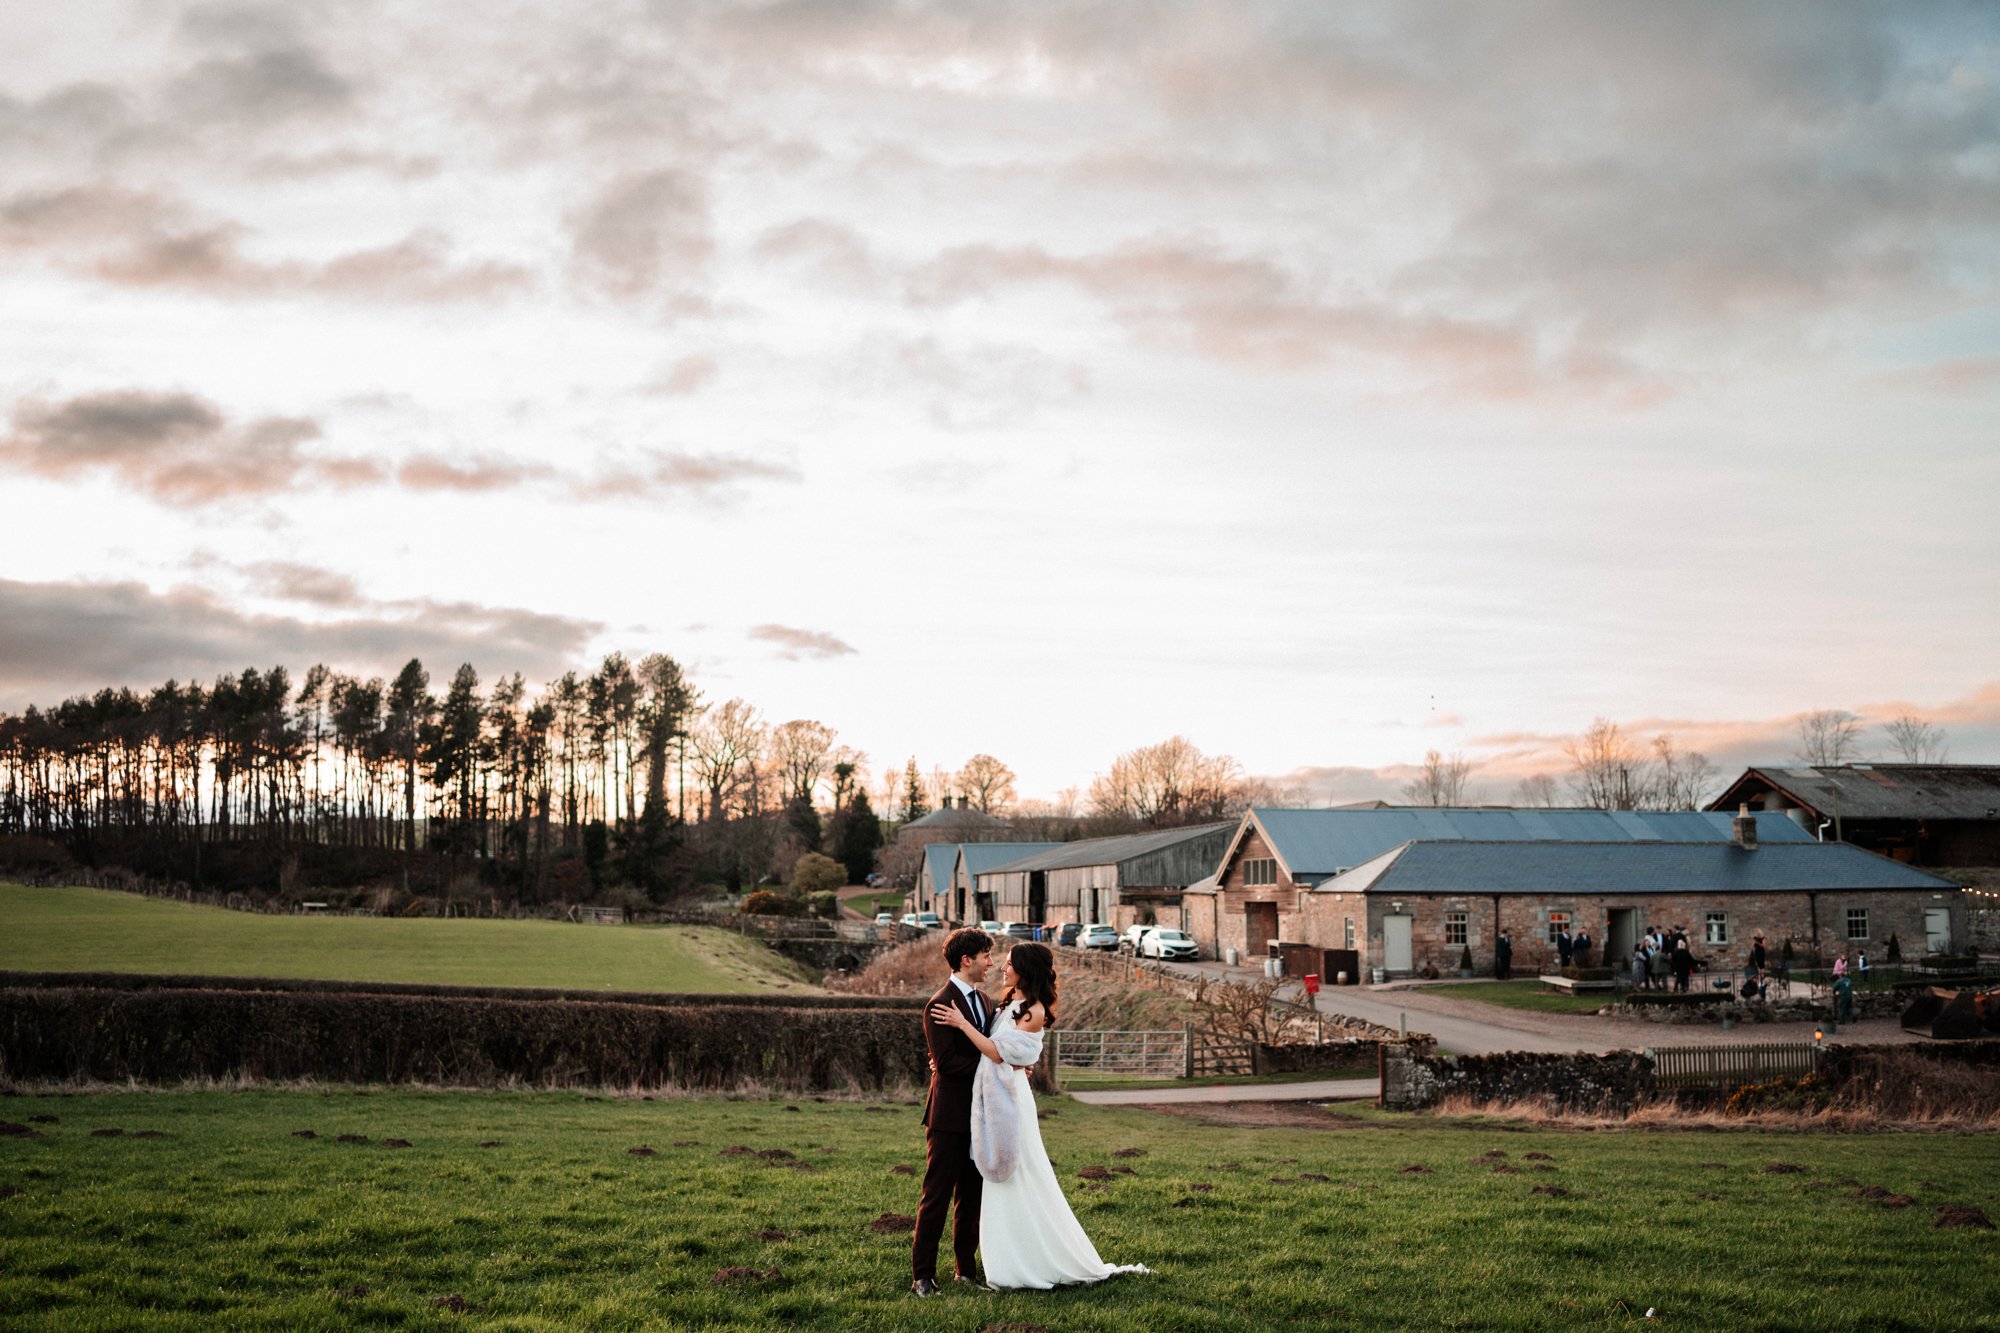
x=1323, y=382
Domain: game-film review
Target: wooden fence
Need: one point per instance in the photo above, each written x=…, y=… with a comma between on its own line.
x=1726, y=1067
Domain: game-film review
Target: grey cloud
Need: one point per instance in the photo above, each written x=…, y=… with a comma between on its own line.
x=987, y=384
x=796, y=644
x=147, y=239
x=174, y=447
x=834, y=252
x=68, y=637
x=661, y=473
x=309, y=584
x=261, y=89
x=644, y=236
x=434, y=472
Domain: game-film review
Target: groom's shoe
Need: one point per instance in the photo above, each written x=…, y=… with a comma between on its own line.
x=925, y=1286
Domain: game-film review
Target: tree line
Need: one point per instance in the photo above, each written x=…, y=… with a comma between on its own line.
x=616, y=776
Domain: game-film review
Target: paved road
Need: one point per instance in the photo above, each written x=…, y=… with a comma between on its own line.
x=1323, y=1090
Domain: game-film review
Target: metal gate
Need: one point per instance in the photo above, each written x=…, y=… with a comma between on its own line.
x=1109, y=1051
x=1732, y=1066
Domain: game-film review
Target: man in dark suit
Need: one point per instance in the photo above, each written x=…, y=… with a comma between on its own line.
x=948, y=1168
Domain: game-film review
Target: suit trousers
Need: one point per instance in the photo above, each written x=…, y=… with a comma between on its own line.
x=948, y=1172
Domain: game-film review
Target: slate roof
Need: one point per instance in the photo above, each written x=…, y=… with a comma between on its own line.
x=957, y=817
x=1627, y=867
x=1108, y=851
x=1883, y=791
x=1316, y=843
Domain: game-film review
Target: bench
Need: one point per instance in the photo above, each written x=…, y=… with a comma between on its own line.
x=1574, y=987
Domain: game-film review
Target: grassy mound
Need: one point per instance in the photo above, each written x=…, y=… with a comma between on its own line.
x=76, y=929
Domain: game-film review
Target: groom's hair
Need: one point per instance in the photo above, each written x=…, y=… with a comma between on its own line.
x=965, y=943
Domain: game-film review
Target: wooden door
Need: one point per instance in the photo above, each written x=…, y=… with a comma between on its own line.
x=1396, y=954
x=1260, y=927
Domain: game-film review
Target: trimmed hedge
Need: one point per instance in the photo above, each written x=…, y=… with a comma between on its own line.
x=158, y=1035
x=670, y=999
x=1679, y=997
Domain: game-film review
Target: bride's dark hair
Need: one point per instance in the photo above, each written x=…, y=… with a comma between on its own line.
x=1034, y=980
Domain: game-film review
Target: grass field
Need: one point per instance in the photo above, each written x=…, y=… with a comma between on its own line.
x=533, y=1208
x=1525, y=994
x=97, y=930
x=868, y=904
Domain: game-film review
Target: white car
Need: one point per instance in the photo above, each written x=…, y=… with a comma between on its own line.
x=922, y=920
x=1097, y=937
x=1161, y=942
x=994, y=927
x=1129, y=941
x=885, y=918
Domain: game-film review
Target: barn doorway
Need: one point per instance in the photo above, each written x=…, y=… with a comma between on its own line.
x=1038, y=896
x=1396, y=954
x=1260, y=927
x=1622, y=938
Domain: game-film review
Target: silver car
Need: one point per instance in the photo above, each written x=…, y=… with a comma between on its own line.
x=1176, y=945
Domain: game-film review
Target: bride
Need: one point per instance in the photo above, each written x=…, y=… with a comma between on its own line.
x=1027, y=1234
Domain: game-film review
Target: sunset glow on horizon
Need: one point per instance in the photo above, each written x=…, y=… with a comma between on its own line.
x=1326, y=384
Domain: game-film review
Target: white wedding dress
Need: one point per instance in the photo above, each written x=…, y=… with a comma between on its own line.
x=1028, y=1237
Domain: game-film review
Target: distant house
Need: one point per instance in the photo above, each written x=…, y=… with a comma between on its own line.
x=1120, y=880
x=1276, y=855
x=1426, y=902
x=1935, y=815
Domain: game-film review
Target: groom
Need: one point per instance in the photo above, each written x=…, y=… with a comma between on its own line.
x=948, y=1168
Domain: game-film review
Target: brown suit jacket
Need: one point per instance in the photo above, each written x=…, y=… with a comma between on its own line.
x=954, y=1060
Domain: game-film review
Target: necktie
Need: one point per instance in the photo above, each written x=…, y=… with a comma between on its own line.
x=978, y=1010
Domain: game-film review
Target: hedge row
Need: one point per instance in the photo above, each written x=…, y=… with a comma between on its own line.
x=670, y=999
x=169, y=1034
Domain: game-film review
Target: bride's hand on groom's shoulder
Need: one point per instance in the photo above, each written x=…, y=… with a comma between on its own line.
x=950, y=1017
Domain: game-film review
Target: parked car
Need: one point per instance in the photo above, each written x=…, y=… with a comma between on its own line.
x=1129, y=941
x=1160, y=942
x=874, y=881
x=922, y=920
x=1020, y=930
x=885, y=918
x=1097, y=937
x=1067, y=932
x=994, y=927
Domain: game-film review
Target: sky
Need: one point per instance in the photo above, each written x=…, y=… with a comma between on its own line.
x=1324, y=383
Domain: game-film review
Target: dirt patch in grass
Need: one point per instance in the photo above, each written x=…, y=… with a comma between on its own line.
x=727, y=1276
x=304, y=1134
x=1094, y=1173
x=1782, y=1169
x=457, y=1304
x=640, y=1151
x=771, y=1234
x=777, y=1155
x=395, y=1143
x=43, y=1120
x=490, y=1143
x=902, y=1169
x=1128, y=1152
x=888, y=1222
x=1553, y=1191
x=1887, y=1198
x=108, y=1132
x=12, y=1130
x=352, y=1138
x=1962, y=1215
x=9, y=1191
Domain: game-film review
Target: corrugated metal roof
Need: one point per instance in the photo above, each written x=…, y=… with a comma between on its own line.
x=1628, y=867
x=939, y=858
x=1321, y=842
x=1886, y=791
x=1109, y=851
x=985, y=855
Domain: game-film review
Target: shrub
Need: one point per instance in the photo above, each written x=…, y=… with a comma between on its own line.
x=825, y=903
x=814, y=873
x=1678, y=997
x=1780, y=1094
x=771, y=902
x=161, y=1035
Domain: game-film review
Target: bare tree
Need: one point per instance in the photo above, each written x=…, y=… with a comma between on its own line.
x=725, y=746
x=1167, y=784
x=1916, y=741
x=1680, y=777
x=1537, y=791
x=1828, y=736
x=800, y=750
x=937, y=785
x=889, y=791
x=1440, y=781
x=1607, y=771
x=988, y=782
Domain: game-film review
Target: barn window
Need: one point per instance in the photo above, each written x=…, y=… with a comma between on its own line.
x=1857, y=923
x=1262, y=870
x=1718, y=928
x=1350, y=933
x=1558, y=922
x=1454, y=927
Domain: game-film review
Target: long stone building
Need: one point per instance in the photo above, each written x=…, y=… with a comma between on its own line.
x=1138, y=877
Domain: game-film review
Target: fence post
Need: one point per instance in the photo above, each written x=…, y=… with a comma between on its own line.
x=1187, y=1049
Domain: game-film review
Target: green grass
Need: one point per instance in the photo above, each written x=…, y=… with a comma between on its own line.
x=230, y=1221
x=1527, y=994
x=97, y=930
x=868, y=904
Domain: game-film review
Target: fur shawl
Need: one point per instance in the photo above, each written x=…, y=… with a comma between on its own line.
x=996, y=1128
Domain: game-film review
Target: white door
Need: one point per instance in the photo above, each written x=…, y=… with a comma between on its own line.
x=1396, y=943
x=1937, y=929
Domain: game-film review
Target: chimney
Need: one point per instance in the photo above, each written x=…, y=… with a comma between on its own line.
x=1744, y=829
